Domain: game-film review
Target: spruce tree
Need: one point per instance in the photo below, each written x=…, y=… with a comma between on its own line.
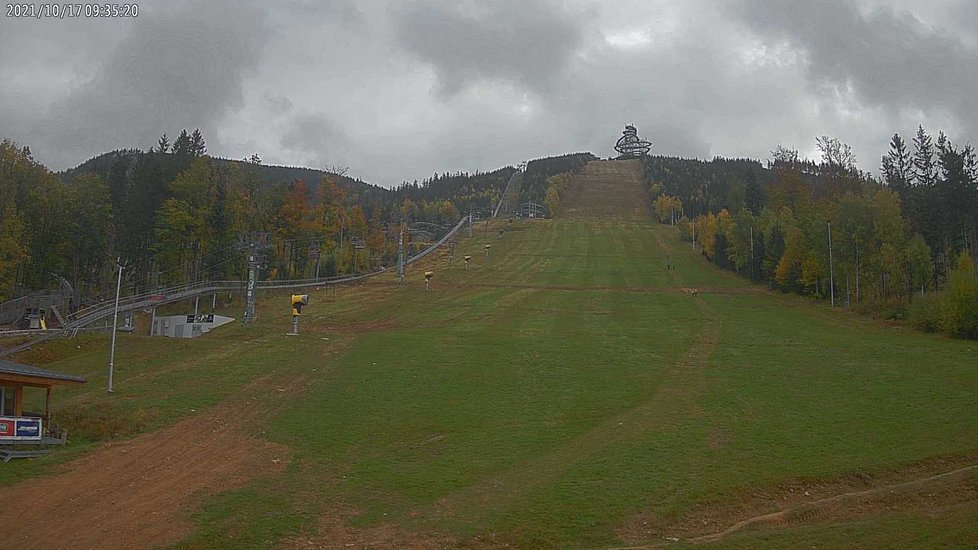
x=181, y=147
x=164, y=145
x=924, y=168
x=197, y=147
x=896, y=166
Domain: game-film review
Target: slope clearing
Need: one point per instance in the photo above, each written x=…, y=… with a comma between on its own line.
x=565, y=391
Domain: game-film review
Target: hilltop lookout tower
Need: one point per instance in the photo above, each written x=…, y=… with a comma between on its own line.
x=630, y=146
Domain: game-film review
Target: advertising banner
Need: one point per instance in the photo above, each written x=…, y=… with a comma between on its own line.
x=7, y=428
x=19, y=428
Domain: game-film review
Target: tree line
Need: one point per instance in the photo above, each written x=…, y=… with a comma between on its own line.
x=173, y=214
x=535, y=185
x=830, y=230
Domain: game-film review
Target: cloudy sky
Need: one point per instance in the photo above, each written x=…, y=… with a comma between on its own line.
x=398, y=90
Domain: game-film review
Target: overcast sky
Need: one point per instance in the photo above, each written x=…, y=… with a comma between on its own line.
x=398, y=90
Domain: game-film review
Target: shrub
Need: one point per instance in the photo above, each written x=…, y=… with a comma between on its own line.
x=953, y=312
x=959, y=304
x=925, y=313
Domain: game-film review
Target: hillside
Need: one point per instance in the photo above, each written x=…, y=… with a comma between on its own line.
x=589, y=382
x=102, y=165
x=607, y=188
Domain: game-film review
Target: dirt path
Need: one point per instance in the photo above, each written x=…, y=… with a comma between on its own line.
x=139, y=493
x=931, y=493
x=824, y=503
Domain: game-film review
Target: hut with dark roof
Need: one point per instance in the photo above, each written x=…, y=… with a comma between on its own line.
x=16, y=424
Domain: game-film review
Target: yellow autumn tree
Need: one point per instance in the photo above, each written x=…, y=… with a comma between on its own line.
x=667, y=208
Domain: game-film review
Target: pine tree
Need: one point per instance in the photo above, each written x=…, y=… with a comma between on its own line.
x=181, y=147
x=956, y=195
x=924, y=168
x=896, y=167
x=197, y=147
x=164, y=145
x=753, y=194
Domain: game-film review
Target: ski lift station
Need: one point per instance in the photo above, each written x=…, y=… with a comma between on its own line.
x=187, y=326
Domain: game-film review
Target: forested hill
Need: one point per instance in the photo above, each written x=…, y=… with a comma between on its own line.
x=175, y=214
x=709, y=186
x=102, y=165
x=830, y=230
x=538, y=170
x=480, y=190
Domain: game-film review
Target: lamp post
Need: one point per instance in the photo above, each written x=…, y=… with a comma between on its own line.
x=831, y=268
x=400, y=254
x=115, y=321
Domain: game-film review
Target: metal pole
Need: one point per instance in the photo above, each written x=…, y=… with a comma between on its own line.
x=752, y=252
x=115, y=321
x=250, y=293
x=831, y=269
x=400, y=254
x=470, y=222
x=752, y=242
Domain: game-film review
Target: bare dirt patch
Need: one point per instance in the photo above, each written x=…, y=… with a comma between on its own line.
x=137, y=493
x=334, y=531
x=919, y=488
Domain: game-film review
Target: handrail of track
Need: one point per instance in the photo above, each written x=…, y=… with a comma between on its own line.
x=97, y=312
x=504, y=197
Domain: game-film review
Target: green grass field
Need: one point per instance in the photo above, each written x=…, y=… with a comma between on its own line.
x=564, y=392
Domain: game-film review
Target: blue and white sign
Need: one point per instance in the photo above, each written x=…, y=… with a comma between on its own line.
x=28, y=428
x=20, y=428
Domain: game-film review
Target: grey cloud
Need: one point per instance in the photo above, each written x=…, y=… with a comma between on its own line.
x=525, y=42
x=278, y=104
x=176, y=69
x=890, y=58
x=351, y=83
x=690, y=95
x=317, y=138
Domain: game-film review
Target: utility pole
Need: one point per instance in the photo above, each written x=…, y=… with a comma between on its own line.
x=400, y=254
x=250, y=292
x=752, y=252
x=115, y=321
x=319, y=254
x=470, y=221
x=831, y=269
x=357, y=246
x=752, y=242
x=256, y=250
